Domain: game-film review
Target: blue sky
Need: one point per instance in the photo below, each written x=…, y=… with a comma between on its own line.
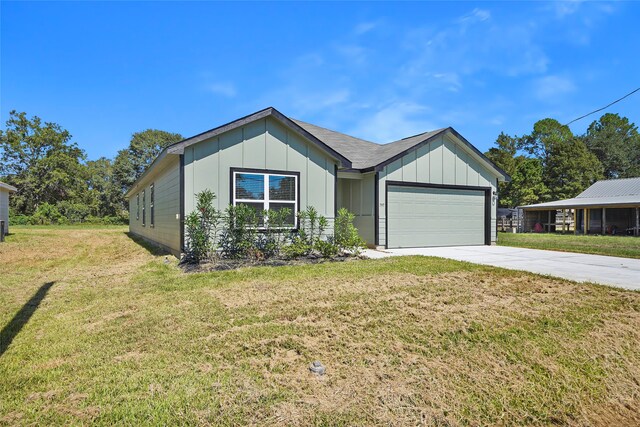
x=379, y=71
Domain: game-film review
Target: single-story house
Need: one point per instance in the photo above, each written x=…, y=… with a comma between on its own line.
x=5, y=189
x=607, y=207
x=431, y=189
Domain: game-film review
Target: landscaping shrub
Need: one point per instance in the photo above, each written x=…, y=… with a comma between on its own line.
x=239, y=232
x=346, y=234
x=200, y=228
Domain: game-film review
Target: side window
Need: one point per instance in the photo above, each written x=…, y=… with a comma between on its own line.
x=144, y=207
x=137, y=206
x=151, y=203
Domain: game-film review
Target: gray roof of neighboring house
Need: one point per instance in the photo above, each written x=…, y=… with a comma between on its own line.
x=8, y=187
x=625, y=191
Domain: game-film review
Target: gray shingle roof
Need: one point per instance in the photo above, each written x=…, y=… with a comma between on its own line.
x=609, y=192
x=364, y=154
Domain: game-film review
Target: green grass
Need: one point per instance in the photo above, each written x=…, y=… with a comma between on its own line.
x=123, y=337
x=621, y=246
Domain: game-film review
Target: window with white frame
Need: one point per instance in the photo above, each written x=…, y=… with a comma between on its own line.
x=137, y=206
x=267, y=191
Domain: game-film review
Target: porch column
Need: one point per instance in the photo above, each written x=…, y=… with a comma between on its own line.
x=587, y=222
x=575, y=221
x=549, y=221
x=604, y=221
x=637, y=230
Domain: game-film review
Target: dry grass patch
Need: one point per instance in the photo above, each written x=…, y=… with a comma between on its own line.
x=124, y=337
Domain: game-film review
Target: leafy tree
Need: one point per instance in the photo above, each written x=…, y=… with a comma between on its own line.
x=568, y=166
x=39, y=159
x=103, y=196
x=527, y=185
x=616, y=143
x=131, y=162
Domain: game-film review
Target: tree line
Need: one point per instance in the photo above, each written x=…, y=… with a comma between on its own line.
x=552, y=163
x=57, y=183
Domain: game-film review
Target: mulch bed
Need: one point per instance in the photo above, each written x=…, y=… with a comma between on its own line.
x=236, y=264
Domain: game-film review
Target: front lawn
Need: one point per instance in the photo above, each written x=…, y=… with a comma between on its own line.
x=622, y=246
x=96, y=329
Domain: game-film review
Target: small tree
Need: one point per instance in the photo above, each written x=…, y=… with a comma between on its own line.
x=201, y=228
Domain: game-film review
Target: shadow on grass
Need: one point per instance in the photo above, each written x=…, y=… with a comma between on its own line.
x=147, y=245
x=22, y=317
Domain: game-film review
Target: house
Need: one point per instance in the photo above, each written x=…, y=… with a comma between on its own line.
x=607, y=207
x=431, y=189
x=5, y=189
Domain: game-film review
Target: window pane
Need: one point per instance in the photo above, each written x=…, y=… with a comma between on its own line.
x=290, y=219
x=249, y=186
x=282, y=187
x=259, y=208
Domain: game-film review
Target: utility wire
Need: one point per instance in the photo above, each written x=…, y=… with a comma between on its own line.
x=603, y=108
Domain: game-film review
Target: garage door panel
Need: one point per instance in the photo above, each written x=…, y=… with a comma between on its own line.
x=425, y=216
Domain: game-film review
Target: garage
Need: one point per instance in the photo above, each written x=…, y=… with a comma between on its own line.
x=420, y=215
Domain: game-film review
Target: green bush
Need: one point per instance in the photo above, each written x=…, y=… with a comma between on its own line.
x=200, y=228
x=73, y=212
x=47, y=214
x=326, y=248
x=346, y=234
x=239, y=232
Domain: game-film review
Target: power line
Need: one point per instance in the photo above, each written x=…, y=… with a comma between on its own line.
x=603, y=108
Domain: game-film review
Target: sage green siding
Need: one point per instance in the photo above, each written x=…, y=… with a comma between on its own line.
x=422, y=216
x=4, y=208
x=267, y=145
x=442, y=161
x=356, y=194
x=166, y=228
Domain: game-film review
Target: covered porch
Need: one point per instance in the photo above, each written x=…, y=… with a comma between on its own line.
x=611, y=220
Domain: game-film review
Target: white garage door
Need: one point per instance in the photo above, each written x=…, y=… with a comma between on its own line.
x=427, y=216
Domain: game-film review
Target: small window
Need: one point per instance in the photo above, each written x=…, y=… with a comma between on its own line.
x=267, y=191
x=144, y=210
x=138, y=207
x=151, y=203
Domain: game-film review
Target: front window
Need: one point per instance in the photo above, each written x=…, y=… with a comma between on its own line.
x=267, y=191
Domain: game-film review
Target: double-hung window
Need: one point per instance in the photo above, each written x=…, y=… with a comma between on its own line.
x=151, y=205
x=137, y=206
x=144, y=205
x=268, y=190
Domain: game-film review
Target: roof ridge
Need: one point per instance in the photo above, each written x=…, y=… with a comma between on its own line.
x=334, y=131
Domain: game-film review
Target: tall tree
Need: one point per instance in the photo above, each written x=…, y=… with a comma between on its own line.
x=526, y=185
x=40, y=161
x=568, y=166
x=131, y=162
x=616, y=143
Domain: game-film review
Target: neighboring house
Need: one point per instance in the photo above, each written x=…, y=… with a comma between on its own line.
x=607, y=207
x=5, y=189
x=431, y=189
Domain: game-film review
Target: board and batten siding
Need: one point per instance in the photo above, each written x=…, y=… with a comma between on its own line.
x=266, y=145
x=166, y=229
x=441, y=161
x=4, y=209
x=357, y=195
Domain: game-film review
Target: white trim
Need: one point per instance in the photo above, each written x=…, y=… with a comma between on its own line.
x=8, y=187
x=266, y=201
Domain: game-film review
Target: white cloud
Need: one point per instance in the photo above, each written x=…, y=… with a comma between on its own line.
x=222, y=88
x=364, y=27
x=565, y=8
x=551, y=88
x=476, y=15
x=393, y=121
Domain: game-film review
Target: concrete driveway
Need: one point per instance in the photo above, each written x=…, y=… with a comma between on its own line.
x=606, y=270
